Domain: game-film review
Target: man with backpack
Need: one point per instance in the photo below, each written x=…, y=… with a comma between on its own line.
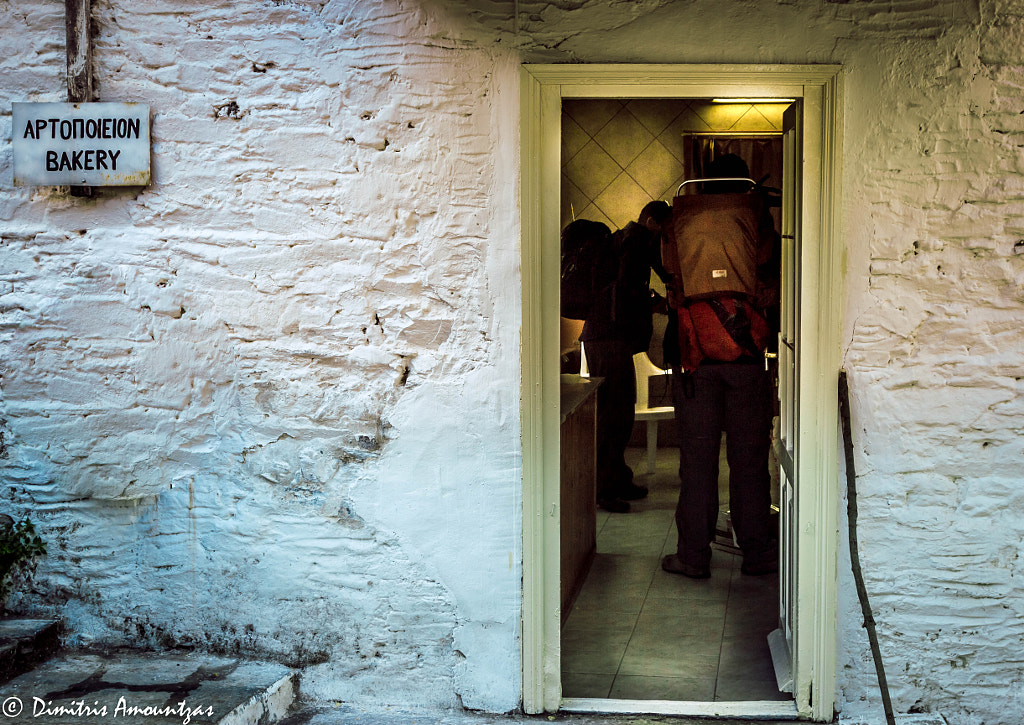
x=725, y=282
x=606, y=283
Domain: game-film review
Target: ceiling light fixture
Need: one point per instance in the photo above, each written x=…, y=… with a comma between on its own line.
x=753, y=100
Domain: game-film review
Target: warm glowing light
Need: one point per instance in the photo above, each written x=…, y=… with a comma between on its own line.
x=753, y=100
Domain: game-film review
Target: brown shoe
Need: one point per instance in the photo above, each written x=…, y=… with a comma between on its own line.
x=674, y=565
x=613, y=505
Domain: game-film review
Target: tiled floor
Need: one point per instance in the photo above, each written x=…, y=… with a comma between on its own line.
x=637, y=632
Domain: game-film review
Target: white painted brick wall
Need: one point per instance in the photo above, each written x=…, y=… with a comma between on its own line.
x=263, y=404
x=205, y=382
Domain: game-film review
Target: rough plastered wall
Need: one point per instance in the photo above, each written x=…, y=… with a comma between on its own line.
x=269, y=404
x=935, y=235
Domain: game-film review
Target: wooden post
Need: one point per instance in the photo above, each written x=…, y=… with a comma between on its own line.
x=78, y=16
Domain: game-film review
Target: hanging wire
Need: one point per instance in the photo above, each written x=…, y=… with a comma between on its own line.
x=858, y=575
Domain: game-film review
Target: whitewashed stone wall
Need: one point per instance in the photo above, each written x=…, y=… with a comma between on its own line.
x=269, y=404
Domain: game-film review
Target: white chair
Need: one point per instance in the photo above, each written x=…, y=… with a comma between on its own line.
x=645, y=369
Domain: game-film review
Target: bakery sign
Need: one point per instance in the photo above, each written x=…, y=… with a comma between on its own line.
x=81, y=144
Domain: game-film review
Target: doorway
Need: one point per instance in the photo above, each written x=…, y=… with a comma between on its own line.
x=635, y=632
x=814, y=464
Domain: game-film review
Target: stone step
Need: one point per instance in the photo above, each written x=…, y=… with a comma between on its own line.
x=25, y=643
x=132, y=688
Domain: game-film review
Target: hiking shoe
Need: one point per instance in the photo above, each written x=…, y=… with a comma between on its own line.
x=674, y=565
x=613, y=505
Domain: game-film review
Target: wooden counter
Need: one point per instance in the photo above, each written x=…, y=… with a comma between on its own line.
x=578, y=487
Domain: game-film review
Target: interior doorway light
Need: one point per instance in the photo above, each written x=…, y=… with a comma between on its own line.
x=753, y=100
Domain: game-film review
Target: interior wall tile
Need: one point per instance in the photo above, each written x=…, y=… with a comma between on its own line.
x=622, y=200
x=672, y=138
x=624, y=137
x=646, y=139
x=753, y=120
x=773, y=113
x=574, y=201
x=592, y=114
x=574, y=138
x=657, y=113
x=721, y=116
x=592, y=169
x=655, y=169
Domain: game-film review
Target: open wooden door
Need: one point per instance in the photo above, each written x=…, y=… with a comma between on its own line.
x=781, y=640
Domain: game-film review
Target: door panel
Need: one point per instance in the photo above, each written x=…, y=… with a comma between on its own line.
x=788, y=387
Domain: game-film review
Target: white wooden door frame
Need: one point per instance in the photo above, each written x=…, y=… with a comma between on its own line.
x=820, y=87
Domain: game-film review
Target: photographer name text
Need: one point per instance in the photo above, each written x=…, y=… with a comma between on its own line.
x=181, y=712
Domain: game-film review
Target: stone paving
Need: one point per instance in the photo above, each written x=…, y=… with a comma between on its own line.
x=129, y=688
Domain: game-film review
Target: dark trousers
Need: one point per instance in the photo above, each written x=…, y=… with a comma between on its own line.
x=733, y=398
x=612, y=360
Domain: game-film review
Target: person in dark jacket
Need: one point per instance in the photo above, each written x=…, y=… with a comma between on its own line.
x=617, y=324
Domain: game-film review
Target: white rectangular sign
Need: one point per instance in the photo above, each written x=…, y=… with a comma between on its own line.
x=81, y=144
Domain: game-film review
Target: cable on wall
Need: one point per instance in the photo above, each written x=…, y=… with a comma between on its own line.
x=858, y=575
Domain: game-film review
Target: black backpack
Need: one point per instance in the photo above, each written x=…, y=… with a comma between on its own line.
x=586, y=249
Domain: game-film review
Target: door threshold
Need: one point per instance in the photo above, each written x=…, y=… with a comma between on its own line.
x=759, y=709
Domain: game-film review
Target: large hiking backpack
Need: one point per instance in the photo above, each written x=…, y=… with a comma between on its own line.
x=716, y=252
x=717, y=243
x=586, y=247
x=605, y=280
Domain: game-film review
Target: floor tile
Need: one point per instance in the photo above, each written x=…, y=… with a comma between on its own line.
x=589, y=620
x=578, y=684
x=611, y=637
x=643, y=534
x=708, y=623
x=686, y=607
x=751, y=617
x=746, y=658
x=663, y=660
x=739, y=690
x=601, y=661
x=638, y=687
x=661, y=647
x=617, y=583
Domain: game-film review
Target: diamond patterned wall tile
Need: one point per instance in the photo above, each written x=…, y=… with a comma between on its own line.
x=592, y=169
x=754, y=120
x=592, y=115
x=654, y=169
x=673, y=136
x=773, y=112
x=657, y=113
x=574, y=137
x=723, y=116
x=624, y=137
x=574, y=201
x=622, y=201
